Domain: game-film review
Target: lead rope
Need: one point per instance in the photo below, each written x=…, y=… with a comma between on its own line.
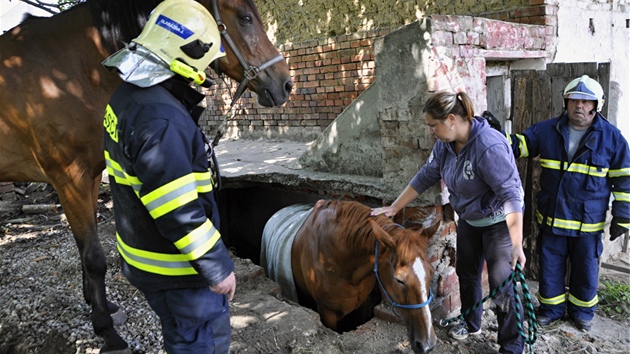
x=517, y=276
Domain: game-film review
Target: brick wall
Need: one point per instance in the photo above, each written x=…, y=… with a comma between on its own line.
x=328, y=74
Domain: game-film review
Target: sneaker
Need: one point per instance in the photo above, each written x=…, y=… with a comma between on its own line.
x=460, y=331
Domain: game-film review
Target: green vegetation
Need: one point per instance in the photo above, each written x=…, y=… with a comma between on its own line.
x=614, y=300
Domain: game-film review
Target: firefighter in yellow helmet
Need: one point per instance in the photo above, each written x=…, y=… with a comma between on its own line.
x=584, y=161
x=167, y=219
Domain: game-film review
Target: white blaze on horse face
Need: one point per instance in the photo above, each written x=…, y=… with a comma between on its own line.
x=418, y=268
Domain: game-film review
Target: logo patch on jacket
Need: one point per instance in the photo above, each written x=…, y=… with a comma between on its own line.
x=469, y=174
x=110, y=122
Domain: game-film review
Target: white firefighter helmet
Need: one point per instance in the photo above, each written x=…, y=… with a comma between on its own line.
x=584, y=88
x=184, y=31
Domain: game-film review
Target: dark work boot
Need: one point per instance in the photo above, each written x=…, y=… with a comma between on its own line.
x=583, y=325
x=544, y=320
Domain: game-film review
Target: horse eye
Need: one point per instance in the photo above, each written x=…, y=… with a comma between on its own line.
x=400, y=282
x=247, y=20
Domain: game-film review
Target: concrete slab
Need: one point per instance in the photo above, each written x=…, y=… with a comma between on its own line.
x=274, y=161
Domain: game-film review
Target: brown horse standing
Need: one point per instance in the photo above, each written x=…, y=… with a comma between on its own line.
x=53, y=92
x=333, y=259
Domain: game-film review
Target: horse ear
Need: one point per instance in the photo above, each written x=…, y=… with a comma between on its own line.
x=382, y=235
x=430, y=231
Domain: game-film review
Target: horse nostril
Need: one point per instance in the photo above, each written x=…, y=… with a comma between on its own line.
x=421, y=348
x=288, y=86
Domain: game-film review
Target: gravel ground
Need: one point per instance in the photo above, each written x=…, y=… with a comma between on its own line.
x=43, y=309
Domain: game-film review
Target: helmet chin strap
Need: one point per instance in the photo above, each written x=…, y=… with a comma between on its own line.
x=188, y=72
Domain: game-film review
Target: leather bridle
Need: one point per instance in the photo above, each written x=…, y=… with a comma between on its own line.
x=250, y=71
x=389, y=298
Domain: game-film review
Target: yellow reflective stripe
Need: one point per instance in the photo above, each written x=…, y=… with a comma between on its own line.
x=553, y=300
x=508, y=137
x=574, y=167
x=204, y=182
x=593, y=227
x=587, y=170
x=120, y=176
x=624, y=172
x=550, y=164
x=624, y=224
x=171, y=196
x=566, y=224
x=199, y=241
x=621, y=196
x=153, y=262
x=570, y=224
x=577, y=302
x=522, y=145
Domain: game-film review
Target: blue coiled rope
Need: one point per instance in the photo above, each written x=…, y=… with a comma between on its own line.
x=517, y=276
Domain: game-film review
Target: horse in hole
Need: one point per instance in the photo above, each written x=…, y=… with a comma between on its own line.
x=53, y=94
x=336, y=259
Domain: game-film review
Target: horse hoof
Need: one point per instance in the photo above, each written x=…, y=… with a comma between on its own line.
x=118, y=317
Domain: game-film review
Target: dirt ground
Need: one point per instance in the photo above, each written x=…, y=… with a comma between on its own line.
x=43, y=310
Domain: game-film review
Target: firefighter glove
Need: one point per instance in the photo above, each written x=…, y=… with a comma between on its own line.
x=492, y=120
x=618, y=226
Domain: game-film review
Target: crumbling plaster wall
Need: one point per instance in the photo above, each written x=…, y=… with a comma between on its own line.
x=432, y=54
x=293, y=21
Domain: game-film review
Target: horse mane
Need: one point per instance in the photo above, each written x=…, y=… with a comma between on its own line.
x=120, y=21
x=354, y=218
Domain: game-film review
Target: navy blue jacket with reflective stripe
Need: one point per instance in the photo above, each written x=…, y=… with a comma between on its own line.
x=575, y=195
x=166, y=215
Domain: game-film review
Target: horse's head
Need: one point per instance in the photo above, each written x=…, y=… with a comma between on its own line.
x=251, y=57
x=405, y=278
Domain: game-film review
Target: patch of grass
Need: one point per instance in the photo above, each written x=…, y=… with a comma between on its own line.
x=614, y=300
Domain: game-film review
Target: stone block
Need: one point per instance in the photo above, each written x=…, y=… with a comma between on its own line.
x=447, y=282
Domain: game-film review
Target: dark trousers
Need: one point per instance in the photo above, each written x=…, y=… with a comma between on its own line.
x=493, y=245
x=194, y=321
x=583, y=254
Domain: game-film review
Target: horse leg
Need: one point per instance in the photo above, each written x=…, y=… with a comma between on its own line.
x=80, y=209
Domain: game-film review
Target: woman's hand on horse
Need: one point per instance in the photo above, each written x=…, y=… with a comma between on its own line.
x=388, y=211
x=226, y=286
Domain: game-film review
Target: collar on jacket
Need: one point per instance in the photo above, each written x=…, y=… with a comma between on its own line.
x=563, y=122
x=187, y=95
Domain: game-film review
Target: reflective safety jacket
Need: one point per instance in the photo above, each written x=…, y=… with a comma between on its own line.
x=574, y=195
x=167, y=219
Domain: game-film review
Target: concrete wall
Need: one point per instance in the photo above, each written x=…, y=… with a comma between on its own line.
x=352, y=143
